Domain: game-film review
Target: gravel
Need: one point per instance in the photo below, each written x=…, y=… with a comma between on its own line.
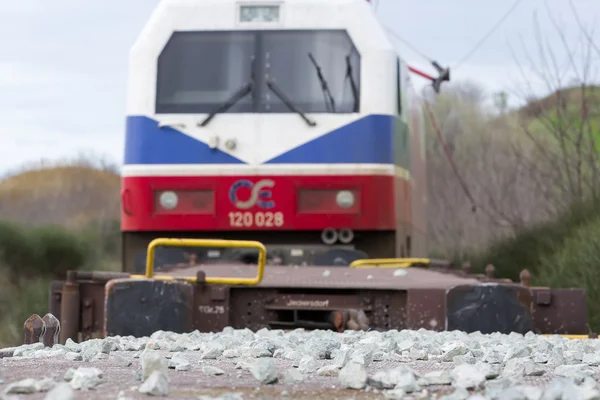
x=269, y=364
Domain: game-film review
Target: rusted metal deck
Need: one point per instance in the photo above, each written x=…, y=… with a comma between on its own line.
x=335, y=277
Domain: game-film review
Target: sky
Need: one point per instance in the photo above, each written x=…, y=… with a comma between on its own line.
x=63, y=63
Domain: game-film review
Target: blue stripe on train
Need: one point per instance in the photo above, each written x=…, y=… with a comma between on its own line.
x=147, y=143
x=367, y=140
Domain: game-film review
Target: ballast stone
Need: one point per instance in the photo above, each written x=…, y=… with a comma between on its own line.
x=292, y=376
x=30, y=385
x=264, y=370
x=308, y=365
x=212, y=371
x=157, y=384
x=86, y=378
x=498, y=358
x=467, y=376
x=328, y=370
x=62, y=391
x=353, y=376
x=151, y=361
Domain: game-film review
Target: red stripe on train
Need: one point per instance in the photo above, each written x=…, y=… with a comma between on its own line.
x=279, y=202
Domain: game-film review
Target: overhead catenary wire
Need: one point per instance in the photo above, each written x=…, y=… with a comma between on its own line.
x=431, y=115
x=488, y=34
x=477, y=46
x=410, y=46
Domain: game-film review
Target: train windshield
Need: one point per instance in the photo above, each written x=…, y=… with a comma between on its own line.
x=317, y=71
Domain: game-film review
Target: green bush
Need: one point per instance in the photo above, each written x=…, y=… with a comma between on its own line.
x=19, y=255
x=60, y=250
x=576, y=264
x=50, y=251
x=528, y=248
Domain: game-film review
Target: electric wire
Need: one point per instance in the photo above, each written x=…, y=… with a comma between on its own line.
x=428, y=108
x=488, y=34
x=410, y=46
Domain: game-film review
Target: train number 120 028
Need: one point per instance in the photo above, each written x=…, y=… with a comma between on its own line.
x=259, y=219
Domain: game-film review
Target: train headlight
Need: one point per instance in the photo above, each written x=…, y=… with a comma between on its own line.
x=168, y=200
x=344, y=199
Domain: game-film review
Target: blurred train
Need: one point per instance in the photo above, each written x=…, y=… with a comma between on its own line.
x=290, y=122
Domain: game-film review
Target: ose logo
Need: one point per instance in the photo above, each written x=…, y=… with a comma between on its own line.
x=258, y=195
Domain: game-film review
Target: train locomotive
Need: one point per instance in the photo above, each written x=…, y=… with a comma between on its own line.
x=289, y=122
x=285, y=134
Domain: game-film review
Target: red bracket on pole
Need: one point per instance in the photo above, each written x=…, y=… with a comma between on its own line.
x=444, y=75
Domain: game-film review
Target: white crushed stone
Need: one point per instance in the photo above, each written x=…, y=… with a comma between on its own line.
x=292, y=376
x=499, y=366
x=212, y=371
x=122, y=361
x=353, y=375
x=308, y=365
x=152, y=361
x=264, y=370
x=73, y=356
x=178, y=363
x=157, y=384
x=85, y=378
x=61, y=391
x=30, y=385
x=328, y=370
x=68, y=376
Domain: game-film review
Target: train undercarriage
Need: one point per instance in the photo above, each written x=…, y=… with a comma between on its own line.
x=262, y=292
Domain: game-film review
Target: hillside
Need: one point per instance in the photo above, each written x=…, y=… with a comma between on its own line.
x=68, y=194
x=568, y=100
x=572, y=114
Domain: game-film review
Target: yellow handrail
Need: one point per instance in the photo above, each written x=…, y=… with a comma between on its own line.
x=572, y=337
x=262, y=259
x=388, y=262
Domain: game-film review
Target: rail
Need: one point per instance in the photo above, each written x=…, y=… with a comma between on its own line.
x=262, y=258
x=389, y=262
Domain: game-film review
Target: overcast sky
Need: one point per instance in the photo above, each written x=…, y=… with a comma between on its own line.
x=63, y=63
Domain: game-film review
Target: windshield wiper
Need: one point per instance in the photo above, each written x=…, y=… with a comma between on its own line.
x=285, y=100
x=324, y=86
x=352, y=83
x=237, y=96
x=230, y=102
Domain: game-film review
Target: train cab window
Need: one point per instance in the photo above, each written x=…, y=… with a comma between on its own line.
x=200, y=71
x=205, y=72
x=319, y=71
